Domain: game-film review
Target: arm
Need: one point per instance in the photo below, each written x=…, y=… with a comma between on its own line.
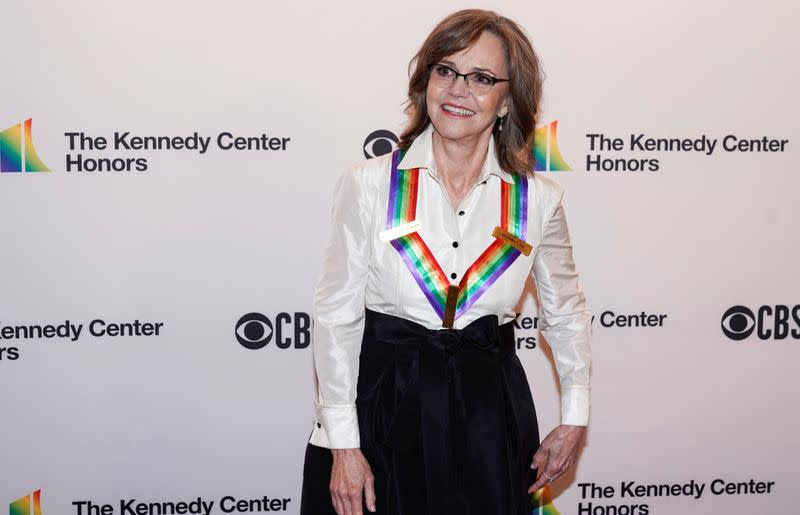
x=338, y=312
x=566, y=324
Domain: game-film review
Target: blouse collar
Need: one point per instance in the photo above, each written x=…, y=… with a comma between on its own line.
x=420, y=155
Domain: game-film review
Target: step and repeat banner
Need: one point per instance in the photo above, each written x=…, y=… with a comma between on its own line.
x=166, y=177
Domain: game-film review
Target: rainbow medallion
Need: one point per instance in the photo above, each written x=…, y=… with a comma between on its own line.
x=450, y=301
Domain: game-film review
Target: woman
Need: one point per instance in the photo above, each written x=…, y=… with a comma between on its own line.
x=423, y=406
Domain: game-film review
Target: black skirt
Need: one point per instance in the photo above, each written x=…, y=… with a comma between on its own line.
x=446, y=420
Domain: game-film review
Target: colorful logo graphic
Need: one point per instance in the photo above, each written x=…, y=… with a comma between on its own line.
x=23, y=506
x=16, y=150
x=543, y=503
x=547, y=157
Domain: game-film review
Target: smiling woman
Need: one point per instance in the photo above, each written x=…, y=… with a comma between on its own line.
x=422, y=405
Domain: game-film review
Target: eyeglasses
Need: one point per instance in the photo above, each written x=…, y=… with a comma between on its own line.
x=479, y=83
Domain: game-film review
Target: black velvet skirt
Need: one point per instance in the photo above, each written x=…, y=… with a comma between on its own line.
x=446, y=420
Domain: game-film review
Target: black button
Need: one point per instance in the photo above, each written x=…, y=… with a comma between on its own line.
x=460, y=213
x=453, y=275
x=455, y=244
x=319, y=425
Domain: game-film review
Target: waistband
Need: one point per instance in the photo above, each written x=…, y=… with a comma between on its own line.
x=483, y=333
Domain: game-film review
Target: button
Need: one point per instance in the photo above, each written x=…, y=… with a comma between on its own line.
x=455, y=244
x=461, y=213
x=319, y=425
x=453, y=275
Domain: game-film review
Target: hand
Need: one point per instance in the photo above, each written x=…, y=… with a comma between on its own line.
x=559, y=451
x=350, y=475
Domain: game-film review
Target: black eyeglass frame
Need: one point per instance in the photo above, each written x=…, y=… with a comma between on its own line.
x=495, y=80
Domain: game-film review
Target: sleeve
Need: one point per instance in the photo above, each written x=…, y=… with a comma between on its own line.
x=338, y=314
x=565, y=320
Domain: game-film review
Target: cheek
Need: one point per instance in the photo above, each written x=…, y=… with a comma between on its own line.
x=430, y=97
x=490, y=103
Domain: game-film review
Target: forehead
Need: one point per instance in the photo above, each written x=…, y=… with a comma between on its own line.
x=486, y=53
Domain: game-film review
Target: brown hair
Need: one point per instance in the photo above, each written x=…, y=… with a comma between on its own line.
x=458, y=31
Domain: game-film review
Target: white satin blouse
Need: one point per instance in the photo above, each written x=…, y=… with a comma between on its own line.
x=359, y=270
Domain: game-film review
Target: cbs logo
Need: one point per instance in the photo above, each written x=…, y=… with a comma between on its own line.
x=768, y=322
x=255, y=331
x=379, y=143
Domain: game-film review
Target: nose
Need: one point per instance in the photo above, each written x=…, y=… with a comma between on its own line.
x=459, y=87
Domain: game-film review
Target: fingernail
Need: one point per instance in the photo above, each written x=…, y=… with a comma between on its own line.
x=372, y=508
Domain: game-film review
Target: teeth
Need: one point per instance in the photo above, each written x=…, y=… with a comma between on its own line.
x=457, y=110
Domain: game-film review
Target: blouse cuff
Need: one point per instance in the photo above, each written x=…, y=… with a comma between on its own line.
x=337, y=428
x=575, y=406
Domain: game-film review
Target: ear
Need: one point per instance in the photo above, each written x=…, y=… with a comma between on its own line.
x=503, y=107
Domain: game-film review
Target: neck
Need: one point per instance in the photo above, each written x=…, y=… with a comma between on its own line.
x=459, y=162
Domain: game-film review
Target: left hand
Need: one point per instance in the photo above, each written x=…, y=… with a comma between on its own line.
x=559, y=451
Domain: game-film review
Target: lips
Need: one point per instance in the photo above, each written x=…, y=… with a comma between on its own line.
x=461, y=112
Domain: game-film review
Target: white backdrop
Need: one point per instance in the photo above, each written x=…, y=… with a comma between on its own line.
x=199, y=240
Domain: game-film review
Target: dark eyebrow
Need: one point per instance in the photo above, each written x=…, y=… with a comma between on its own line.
x=452, y=65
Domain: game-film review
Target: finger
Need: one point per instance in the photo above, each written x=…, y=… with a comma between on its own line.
x=356, y=503
x=561, y=464
x=538, y=485
x=343, y=502
x=546, y=477
x=337, y=504
x=369, y=493
x=561, y=467
x=352, y=502
x=539, y=458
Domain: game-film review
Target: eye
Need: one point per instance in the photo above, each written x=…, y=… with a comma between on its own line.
x=380, y=142
x=482, y=79
x=443, y=71
x=738, y=323
x=253, y=331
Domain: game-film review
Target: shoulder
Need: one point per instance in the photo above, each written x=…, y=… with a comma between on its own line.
x=369, y=174
x=544, y=191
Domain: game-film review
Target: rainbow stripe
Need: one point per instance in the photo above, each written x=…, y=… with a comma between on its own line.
x=11, y=149
x=543, y=503
x=419, y=259
x=23, y=506
x=12, y=156
x=547, y=157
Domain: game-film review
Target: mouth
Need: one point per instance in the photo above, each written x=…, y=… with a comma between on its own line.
x=459, y=112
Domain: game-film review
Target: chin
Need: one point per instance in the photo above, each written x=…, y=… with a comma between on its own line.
x=456, y=129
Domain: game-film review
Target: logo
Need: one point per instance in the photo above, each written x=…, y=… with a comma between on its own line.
x=547, y=157
x=543, y=503
x=254, y=330
x=776, y=322
x=28, y=505
x=379, y=143
x=16, y=150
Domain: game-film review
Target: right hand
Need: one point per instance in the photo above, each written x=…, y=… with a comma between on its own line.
x=349, y=476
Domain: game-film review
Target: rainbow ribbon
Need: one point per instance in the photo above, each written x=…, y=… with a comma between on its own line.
x=423, y=266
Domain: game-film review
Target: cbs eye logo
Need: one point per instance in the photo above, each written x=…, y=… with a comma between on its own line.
x=768, y=322
x=738, y=323
x=254, y=331
x=379, y=143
